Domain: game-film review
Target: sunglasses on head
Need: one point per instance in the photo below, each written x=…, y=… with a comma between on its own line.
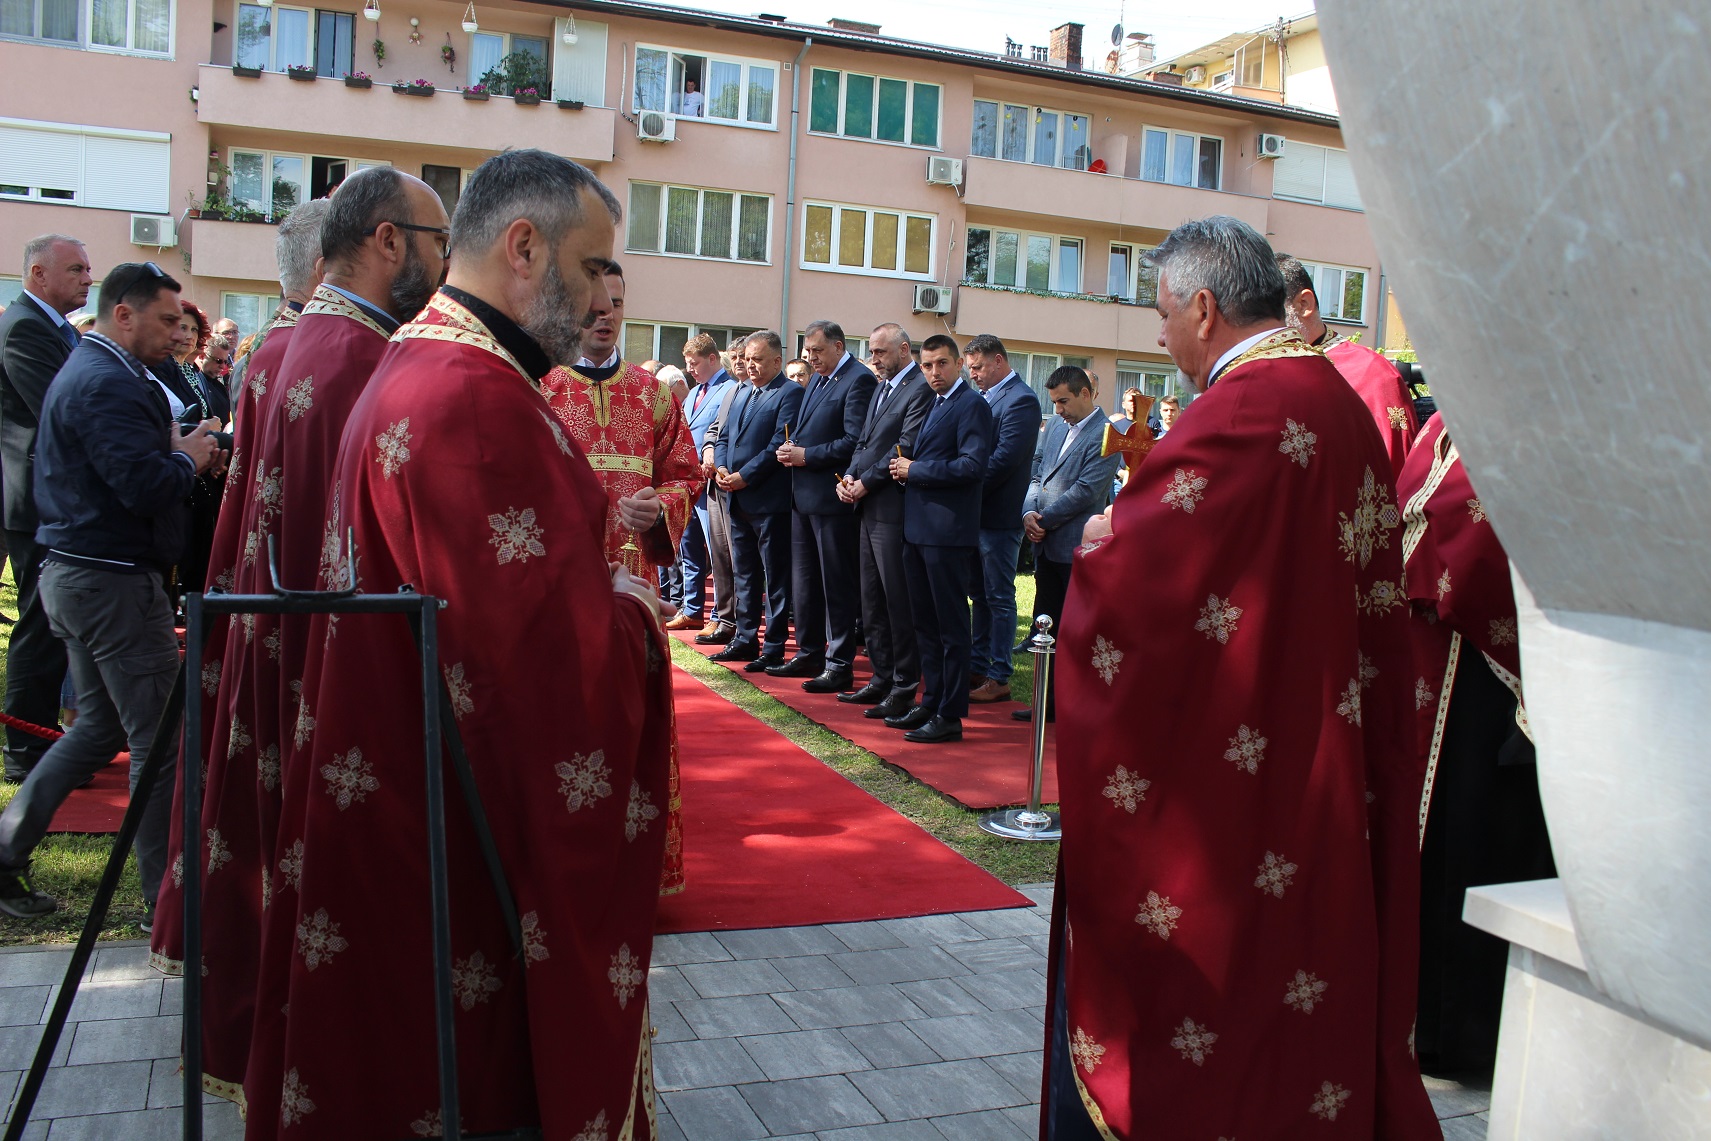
x=152, y=272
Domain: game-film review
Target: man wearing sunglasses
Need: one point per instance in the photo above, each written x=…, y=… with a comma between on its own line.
x=113, y=474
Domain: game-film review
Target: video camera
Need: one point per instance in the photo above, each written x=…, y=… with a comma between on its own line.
x=222, y=440
x=1415, y=378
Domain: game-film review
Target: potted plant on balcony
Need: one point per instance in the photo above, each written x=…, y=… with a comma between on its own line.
x=414, y=87
x=570, y=104
x=359, y=79
x=243, y=72
x=526, y=97
x=302, y=72
x=379, y=53
x=475, y=93
x=213, y=206
x=520, y=75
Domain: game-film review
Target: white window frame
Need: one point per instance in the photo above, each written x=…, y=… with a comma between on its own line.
x=856, y=347
x=267, y=304
x=1154, y=378
x=507, y=47
x=1224, y=80
x=267, y=161
x=658, y=248
x=1319, y=271
x=692, y=330
x=85, y=24
x=1331, y=156
x=1175, y=138
x=273, y=61
x=867, y=269
x=910, y=86
x=82, y=187
x=1138, y=274
x=1055, y=283
x=1030, y=141
x=708, y=59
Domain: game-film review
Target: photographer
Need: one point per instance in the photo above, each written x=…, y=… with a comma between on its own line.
x=113, y=473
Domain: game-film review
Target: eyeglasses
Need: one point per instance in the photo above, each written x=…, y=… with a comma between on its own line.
x=445, y=234
x=152, y=272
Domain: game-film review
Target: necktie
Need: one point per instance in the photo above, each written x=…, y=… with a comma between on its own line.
x=700, y=395
x=70, y=334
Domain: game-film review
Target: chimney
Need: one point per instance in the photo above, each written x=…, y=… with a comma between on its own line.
x=857, y=26
x=1065, y=49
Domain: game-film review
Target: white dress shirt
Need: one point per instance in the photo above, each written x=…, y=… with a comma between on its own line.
x=1237, y=350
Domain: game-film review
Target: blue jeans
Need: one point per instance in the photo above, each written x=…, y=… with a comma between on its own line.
x=995, y=604
x=696, y=561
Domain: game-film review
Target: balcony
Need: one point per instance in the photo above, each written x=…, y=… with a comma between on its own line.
x=1076, y=195
x=327, y=109
x=1071, y=321
x=240, y=251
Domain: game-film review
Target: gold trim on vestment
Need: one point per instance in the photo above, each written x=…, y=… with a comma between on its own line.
x=287, y=318
x=1438, y=724
x=1514, y=684
x=332, y=303
x=171, y=968
x=1096, y=1114
x=231, y=1091
x=1444, y=456
x=606, y=461
x=462, y=328
x=1274, y=346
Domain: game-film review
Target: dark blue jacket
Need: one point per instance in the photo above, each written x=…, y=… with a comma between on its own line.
x=833, y=412
x=1016, y=431
x=754, y=430
x=887, y=429
x=941, y=497
x=107, y=483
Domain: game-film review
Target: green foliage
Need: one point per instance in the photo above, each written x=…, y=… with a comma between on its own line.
x=516, y=72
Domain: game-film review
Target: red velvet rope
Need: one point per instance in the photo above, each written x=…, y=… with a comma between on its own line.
x=11, y=722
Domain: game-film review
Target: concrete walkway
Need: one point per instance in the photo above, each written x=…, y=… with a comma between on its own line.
x=922, y=1029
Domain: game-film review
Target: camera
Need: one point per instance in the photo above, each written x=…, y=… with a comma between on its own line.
x=1414, y=377
x=222, y=440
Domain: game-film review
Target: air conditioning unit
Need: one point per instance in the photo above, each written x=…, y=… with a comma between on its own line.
x=1197, y=74
x=942, y=171
x=932, y=299
x=656, y=127
x=152, y=230
x=1271, y=146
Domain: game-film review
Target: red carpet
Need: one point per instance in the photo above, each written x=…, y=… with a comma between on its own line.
x=774, y=838
x=989, y=768
x=101, y=806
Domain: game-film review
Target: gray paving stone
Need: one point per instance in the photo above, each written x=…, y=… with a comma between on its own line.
x=991, y=955
x=166, y=1085
x=729, y=1017
x=127, y=1040
x=900, y=965
x=33, y=968
x=1026, y=1117
x=1040, y=893
x=847, y=1006
x=992, y=1125
x=667, y=984
x=920, y=1130
x=669, y=1130
x=725, y=980
x=37, y=1130
x=781, y=942
x=1040, y=943
x=127, y=998
x=669, y=1025
x=18, y=1046
x=979, y=1035
x=220, y=1123
x=804, y=1054
x=941, y=997
x=23, y=1005
x=1468, y=1128
x=113, y=964
x=812, y=972
x=869, y=936
x=702, y=1065
x=1454, y=1098
x=889, y=1044
x=107, y=1088
x=172, y=996
x=1022, y=1070
x=810, y=1104
x=936, y=1089
x=932, y=930
x=1006, y=990
x=714, y=1115
x=1010, y=923
x=694, y=947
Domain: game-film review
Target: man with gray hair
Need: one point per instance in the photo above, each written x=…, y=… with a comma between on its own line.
x=1239, y=785
x=458, y=481
x=297, y=248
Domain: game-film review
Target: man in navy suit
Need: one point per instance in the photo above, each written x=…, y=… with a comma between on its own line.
x=1071, y=483
x=35, y=340
x=941, y=533
x=1016, y=432
x=826, y=587
x=899, y=408
x=701, y=408
x=746, y=456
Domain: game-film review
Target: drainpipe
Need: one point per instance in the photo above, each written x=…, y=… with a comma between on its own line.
x=790, y=190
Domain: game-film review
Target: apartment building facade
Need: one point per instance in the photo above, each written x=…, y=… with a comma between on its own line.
x=772, y=173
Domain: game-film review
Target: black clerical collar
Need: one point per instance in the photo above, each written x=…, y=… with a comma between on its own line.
x=507, y=332
x=294, y=306
x=599, y=374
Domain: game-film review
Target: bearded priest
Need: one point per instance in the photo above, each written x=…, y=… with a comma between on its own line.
x=1234, y=937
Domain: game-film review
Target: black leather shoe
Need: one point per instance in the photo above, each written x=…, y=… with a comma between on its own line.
x=1027, y=714
x=830, y=681
x=719, y=637
x=917, y=716
x=872, y=693
x=894, y=706
x=802, y=665
x=736, y=652
x=936, y=730
x=766, y=662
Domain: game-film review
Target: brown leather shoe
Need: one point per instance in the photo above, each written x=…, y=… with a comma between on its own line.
x=975, y=681
x=711, y=627
x=989, y=691
x=681, y=622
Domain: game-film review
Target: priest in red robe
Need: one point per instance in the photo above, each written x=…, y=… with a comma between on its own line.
x=459, y=481
x=638, y=442
x=1374, y=379
x=1481, y=820
x=1236, y=916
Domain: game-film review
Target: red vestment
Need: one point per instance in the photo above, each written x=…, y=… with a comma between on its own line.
x=1378, y=384
x=459, y=482
x=1238, y=868
x=634, y=433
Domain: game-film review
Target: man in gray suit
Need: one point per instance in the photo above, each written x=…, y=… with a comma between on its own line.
x=1071, y=483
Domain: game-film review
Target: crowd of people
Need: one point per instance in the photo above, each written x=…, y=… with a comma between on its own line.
x=1250, y=768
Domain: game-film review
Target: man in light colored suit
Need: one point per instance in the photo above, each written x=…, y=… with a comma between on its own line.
x=1071, y=483
x=697, y=553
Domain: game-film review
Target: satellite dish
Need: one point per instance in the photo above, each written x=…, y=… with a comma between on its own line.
x=1116, y=35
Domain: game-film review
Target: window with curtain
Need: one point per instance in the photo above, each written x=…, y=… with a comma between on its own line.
x=271, y=184
x=291, y=38
x=1128, y=277
x=1181, y=159
x=1341, y=291
x=866, y=240
x=1018, y=260
x=1315, y=174
x=874, y=107
x=1153, y=379
x=1039, y=135
x=690, y=221
x=254, y=36
x=335, y=35
x=485, y=52
x=54, y=21
x=730, y=89
x=250, y=310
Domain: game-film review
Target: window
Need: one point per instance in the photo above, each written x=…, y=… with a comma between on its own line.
x=1031, y=134
x=854, y=346
x=1341, y=291
x=1040, y=262
x=1315, y=174
x=488, y=49
x=860, y=239
x=250, y=310
x=52, y=20
x=1181, y=159
x=691, y=222
x=722, y=89
x=1152, y=378
x=122, y=25
x=650, y=340
x=874, y=107
x=1129, y=277
x=579, y=69
x=447, y=182
x=273, y=39
x=1250, y=63
x=84, y=166
x=335, y=35
x=268, y=183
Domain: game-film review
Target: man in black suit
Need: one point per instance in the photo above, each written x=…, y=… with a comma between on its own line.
x=823, y=534
x=941, y=539
x=746, y=455
x=894, y=419
x=35, y=340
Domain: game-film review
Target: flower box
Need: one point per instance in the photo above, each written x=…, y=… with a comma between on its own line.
x=475, y=96
x=570, y=104
x=301, y=74
x=526, y=100
x=246, y=72
x=423, y=89
x=363, y=83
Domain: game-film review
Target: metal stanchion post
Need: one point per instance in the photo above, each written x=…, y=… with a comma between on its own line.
x=1033, y=823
